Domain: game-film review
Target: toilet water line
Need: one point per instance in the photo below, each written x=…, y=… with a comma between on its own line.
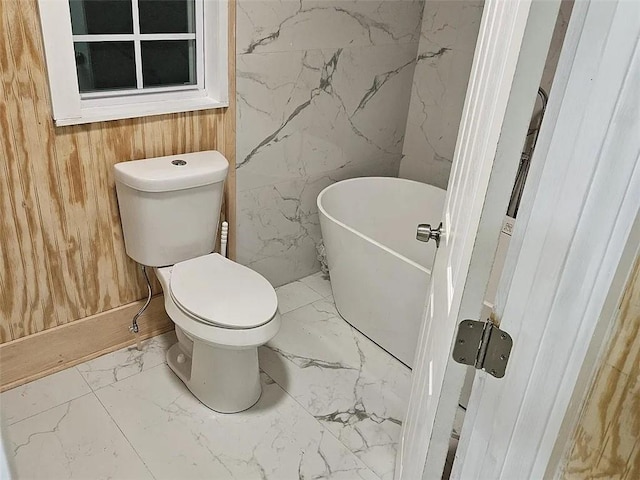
x=224, y=235
x=134, y=324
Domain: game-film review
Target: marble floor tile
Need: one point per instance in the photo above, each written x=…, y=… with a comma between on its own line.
x=349, y=384
x=295, y=295
x=126, y=362
x=40, y=395
x=318, y=282
x=331, y=407
x=77, y=440
x=178, y=437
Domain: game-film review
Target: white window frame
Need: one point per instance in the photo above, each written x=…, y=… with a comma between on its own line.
x=70, y=107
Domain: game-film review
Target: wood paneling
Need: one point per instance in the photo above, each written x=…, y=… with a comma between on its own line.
x=607, y=441
x=35, y=356
x=62, y=256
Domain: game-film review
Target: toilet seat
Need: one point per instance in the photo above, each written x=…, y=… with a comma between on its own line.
x=219, y=292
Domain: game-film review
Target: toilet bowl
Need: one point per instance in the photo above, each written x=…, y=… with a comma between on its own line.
x=223, y=311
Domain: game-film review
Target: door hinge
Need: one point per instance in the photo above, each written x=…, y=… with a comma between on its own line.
x=483, y=346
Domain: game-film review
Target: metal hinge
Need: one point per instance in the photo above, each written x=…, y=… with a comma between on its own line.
x=483, y=346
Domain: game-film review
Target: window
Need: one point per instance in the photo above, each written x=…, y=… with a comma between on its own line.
x=112, y=59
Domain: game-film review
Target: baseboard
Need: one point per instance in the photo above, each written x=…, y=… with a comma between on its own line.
x=35, y=356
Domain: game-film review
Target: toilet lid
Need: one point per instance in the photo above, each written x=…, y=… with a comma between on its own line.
x=222, y=292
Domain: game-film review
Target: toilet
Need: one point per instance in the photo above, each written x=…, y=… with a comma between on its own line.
x=223, y=311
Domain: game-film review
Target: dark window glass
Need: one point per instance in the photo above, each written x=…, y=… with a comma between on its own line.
x=105, y=65
x=166, y=16
x=94, y=17
x=168, y=62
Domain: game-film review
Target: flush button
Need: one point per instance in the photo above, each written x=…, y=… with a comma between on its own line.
x=178, y=162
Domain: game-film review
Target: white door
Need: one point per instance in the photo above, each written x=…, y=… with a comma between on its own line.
x=510, y=54
x=574, y=244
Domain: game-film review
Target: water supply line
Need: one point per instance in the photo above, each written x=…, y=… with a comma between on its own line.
x=134, y=328
x=134, y=323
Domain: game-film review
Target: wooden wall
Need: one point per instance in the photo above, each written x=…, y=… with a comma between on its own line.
x=607, y=441
x=62, y=256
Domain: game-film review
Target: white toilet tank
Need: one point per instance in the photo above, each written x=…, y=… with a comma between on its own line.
x=170, y=206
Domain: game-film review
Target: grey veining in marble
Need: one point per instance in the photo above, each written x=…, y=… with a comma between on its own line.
x=349, y=384
x=286, y=25
x=447, y=42
x=124, y=363
x=323, y=91
x=178, y=437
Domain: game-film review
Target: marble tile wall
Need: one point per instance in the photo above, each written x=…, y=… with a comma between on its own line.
x=447, y=42
x=323, y=92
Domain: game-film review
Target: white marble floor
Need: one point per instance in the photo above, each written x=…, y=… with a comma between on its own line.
x=331, y=407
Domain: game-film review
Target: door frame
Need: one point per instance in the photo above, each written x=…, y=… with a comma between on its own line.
x=569, y=258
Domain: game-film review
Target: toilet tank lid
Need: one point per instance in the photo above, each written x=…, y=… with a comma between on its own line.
x=174, y=172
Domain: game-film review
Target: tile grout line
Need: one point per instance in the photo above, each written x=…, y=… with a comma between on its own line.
x=307, y=304
x=82, y=376
x=94, y=392
x=120, y=429
x=319, y=293
x=48, y=409
x=323, y=427
x=298, y=308
x=91, y=390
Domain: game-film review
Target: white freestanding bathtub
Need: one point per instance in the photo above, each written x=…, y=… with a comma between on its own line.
x=379, y=272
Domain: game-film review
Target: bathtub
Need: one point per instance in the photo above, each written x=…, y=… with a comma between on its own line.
x=379, y=272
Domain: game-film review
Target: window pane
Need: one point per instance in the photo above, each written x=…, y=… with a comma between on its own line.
x=101, y=16
x=105, y=65
x=166, y=16
x=168, y=62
